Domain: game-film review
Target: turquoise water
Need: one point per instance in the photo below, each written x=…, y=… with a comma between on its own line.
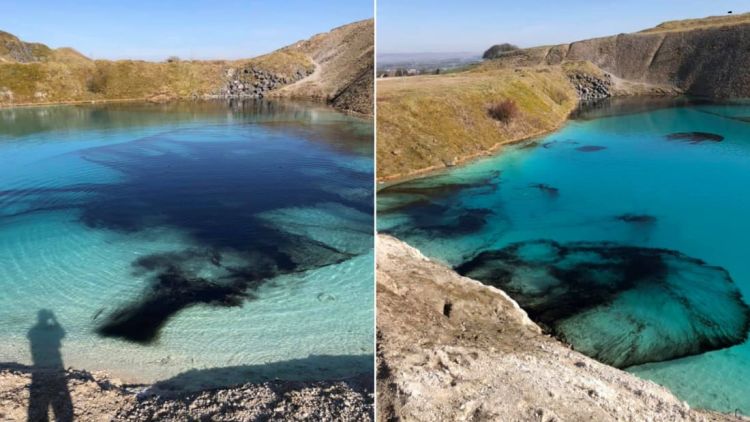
x=624, y=233
x=201, y=237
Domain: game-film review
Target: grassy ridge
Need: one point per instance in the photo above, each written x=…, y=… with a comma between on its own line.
x=34, y=73
x=339, y=64
x=124, y=79
x=429, y=122
x=700, y=23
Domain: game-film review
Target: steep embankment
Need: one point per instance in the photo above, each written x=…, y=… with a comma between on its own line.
x=703, y=57
x=451, y=348
x=344, y=58
x=32, y=73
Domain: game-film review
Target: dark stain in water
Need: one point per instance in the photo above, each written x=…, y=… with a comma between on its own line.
x=607, y=300
x=636, y=218
x=695, y=137
x=430, y=190
x=550, y=144
x=174, y=284
x=214, y=196
x=590, y=148
x=439, y=221
x=547, y=189
x=471, y=220
x=430, y=206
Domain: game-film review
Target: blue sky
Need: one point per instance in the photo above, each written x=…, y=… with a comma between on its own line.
x=156, y=29
x=408, y=26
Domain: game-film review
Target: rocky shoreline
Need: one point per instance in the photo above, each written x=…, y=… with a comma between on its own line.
x=97, y=397
x=451, y=348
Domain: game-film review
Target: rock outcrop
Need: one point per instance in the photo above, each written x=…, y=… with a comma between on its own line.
x=96, y=397
x=451, y=348
x=254, y=83
x=589, y=87
x=13, y=49
x=429, y=122
x=699, y=57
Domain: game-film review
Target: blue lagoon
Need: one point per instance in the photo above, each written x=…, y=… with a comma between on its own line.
x=233, y=240
x=624, y=234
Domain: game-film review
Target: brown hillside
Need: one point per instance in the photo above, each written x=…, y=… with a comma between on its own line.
x=328, y=67
x=344, y=58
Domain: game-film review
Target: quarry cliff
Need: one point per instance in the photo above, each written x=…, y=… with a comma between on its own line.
x=700, y=57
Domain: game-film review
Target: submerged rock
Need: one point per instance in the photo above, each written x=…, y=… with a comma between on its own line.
x=590, y=148
x=636, y=218
x=549, y=190
x=621, y=305
x=695, y=137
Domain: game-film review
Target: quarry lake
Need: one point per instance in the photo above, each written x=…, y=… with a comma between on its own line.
x=204, y=243
x=624, y=234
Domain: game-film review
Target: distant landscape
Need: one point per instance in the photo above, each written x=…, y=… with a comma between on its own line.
x=389, y=64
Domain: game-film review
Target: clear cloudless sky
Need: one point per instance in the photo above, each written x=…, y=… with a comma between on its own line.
x=190, y=29
x=418, y=26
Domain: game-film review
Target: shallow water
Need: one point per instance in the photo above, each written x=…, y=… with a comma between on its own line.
x=624, y=233
x=189, y=237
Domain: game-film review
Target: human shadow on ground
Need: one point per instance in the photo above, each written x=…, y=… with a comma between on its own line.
x=49, y=387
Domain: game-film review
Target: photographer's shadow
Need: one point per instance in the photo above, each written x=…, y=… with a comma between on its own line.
x=49, y=387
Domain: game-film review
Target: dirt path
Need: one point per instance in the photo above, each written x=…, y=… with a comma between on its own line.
x=311, y=79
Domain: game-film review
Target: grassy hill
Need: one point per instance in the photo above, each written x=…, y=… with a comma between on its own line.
x=701, y=23
x=32, y=73
x=430, y=122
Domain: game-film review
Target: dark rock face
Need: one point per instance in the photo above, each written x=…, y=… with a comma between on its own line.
x=357, y=96
x=621, y=305
x=253, y=83
x=702, y=62
x=590, y=87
